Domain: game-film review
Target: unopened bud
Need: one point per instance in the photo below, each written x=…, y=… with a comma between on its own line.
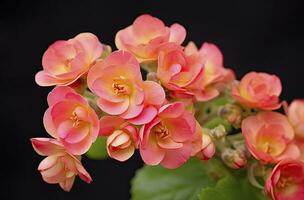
x=218, y=132
x=208, y=148
x=152, y=76
x=232, y=113
x=234, y=158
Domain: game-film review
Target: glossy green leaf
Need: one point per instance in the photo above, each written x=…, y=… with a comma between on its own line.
x=157, y=183
x=196, y=180
x=232, y=188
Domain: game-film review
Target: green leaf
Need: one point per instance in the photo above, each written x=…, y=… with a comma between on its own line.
x=232, y=188
x=196, y=180
x=157, y=183
x=98, y=149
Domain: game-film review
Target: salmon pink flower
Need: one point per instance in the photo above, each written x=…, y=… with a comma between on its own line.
x=178, y=73
x=296, y=117
x=167, y=140
x=286, y=181
x=269, y=137
x=122, y=137
x=258, y=90
x=215, y=74
x=212, y=58
x=194, y=73
x=59, y=166
x=117, y=81
x=147, y=35
x=71, y=120
x=65, y=61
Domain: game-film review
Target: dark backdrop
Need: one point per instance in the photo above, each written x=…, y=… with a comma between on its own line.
x=262, y=36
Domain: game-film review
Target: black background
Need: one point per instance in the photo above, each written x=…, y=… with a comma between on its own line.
x=253, y=35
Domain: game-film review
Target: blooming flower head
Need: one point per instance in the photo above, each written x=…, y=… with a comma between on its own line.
x=122, y=137
x=194, y=73
x=59, y=166
x=147, y=35
x=71, y=120
x=286, y=181
x=258, y=90
x=167, y=140
x=213, y=61
x=296, y=117
x=65, y=61
x=178, y=73
x=269, y=137
x=118, y=83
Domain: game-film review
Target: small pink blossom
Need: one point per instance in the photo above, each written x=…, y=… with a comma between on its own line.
x=147, y=36
x=167, y=139
x=270, y=137
x=122, y=137
x=286, y=181
x=65, y=61
x=118, y=83
x=59, y=167
x=258, y=90
x=71, y=120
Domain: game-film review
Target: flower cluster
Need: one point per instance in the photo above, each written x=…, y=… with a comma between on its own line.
x=100, y=93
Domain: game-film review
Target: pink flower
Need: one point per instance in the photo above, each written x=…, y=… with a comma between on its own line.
x=179, y=73
x=194, y=73
x=65, y=61
x=296, y=117
x=122, y=137
x=71, y=120
x=147, y=35
x=59, y=166
x=286, y=181
x=269, y=137
x=117, y=81
x=167, y=140
x=258, y=90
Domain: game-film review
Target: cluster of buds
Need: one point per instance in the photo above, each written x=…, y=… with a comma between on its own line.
x=100, y=93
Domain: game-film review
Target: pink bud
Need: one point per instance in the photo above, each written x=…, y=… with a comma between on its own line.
x=122, y=137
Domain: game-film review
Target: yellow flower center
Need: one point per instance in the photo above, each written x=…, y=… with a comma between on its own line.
x=161, y=131
x=75, y=119
x=287, y=186
x=120, y=86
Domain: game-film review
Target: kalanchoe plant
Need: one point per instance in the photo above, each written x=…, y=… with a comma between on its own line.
x=212, y=136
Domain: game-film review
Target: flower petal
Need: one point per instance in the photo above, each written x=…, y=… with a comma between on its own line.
x=177, y=33
x=113, y=108
x=46, y=146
